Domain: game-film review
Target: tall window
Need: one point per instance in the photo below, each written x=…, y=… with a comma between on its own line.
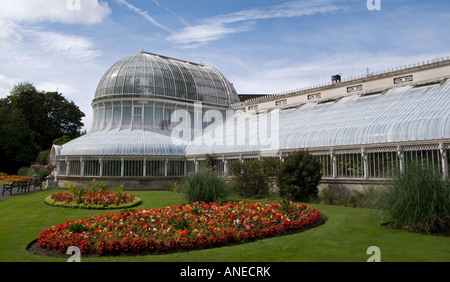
x=91, y=168
x=148, y=115
x=111, y=168
x=117, y=114
x=137, y=115
x=126, y=115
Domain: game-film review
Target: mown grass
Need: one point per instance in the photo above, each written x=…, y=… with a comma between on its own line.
x=345, y=236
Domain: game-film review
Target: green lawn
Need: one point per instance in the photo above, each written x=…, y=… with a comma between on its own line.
x=344, y=238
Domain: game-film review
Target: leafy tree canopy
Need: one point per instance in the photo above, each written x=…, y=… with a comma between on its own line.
x=31, y=120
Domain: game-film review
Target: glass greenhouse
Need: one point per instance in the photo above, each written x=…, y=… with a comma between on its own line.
x=156, y=118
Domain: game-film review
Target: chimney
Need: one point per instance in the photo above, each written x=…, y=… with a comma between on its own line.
x=336, y=78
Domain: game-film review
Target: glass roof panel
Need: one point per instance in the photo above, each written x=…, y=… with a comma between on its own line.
x=171, y=78
x=402, y=114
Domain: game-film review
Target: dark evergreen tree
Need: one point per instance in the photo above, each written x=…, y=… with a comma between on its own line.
x=299, y=176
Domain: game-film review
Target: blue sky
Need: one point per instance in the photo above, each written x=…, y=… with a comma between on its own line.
x=261, y=46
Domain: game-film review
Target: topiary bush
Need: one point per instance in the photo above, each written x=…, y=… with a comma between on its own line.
x=203, y=186
x=299, y=176
x=417, y=200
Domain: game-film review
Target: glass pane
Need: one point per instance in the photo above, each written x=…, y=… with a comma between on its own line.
x=159, y=117
x=148, y=115
x=137, y=115
x=117, y=115
x=126, y=118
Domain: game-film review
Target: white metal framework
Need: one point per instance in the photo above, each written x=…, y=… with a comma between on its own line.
x=362, y=134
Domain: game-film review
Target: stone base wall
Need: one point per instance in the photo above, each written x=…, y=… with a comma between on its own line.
x=163, y=183
x=350, y=184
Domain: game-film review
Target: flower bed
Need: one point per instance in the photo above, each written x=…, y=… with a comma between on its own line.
x=184, y=227
x=78, y=197
x=4, y=178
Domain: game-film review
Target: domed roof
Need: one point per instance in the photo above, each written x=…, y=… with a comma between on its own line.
x=152, y=75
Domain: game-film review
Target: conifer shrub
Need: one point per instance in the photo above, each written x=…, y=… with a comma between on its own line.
x=299, y=176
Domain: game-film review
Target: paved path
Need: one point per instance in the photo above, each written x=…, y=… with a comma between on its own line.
x=15, y=193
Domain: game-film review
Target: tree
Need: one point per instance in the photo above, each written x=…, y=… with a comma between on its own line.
x=299, y=176
x=29, y=122
x=16, y=146
x=61, y=140
x=49, y=114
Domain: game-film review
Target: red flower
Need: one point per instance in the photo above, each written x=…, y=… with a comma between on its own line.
x=156, y=230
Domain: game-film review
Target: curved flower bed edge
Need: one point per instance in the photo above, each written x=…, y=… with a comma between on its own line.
x=178, y=228
x=97, y=197
x=73, y=205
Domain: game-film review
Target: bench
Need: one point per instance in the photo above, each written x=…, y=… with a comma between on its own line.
x=37, y=183
x=25, y=185
x=9, y=187
x=20, y=185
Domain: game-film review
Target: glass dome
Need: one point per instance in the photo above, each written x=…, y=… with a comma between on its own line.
x=156, y=76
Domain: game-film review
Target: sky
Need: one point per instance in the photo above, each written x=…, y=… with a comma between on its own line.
x=261, y=46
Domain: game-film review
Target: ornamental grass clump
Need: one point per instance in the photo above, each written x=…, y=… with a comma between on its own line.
x=205, y=186
x=418, y=200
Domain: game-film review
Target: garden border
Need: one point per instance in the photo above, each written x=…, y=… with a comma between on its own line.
x=34, y=248
x=50, y=202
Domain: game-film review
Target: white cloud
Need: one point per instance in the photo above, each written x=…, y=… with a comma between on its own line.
x=37, y=48
x=25, y=37
x=193, y=36
x=222, y=25
x=33, y=47
x=172, y=12
x=76, y=47
x=280, y=76
x=35, y=11
x=143, y=14
x=6, y=85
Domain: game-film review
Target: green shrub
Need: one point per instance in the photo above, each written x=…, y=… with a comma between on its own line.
x=255, y=178
x=418, y=200
x=43, y=158
x=43, y=173
x=26, y=171
x=250, y=180
x=205, y=185
x=299, y=176
x=345, y=197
